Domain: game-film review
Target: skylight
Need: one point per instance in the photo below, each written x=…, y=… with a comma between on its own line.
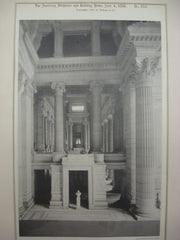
x=77, y=108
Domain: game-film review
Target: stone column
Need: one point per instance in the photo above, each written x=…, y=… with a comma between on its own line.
x=52, y=134
x=20, y=174
x=67, y=134
x=103, y=137
x=27, y=142
x=96, y=100
x=106, y=123
x=56, y=186
x=88, y=132
x=145, y=164
x=111, y=134
x=129, y=108
x=59, y=117
x=39, y=130
x=86, y=135
x=46, y=130
x=95, y=38
x=58, y=40
x=71, y=135
x=144, y=151
x=149, y=47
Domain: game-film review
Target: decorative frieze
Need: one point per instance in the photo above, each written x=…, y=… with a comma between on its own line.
x=72, y=66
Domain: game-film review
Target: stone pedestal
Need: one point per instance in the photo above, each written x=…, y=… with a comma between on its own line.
x=56, y=186
x=100, y=198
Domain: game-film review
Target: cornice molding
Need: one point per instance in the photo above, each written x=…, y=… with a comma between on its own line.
x=76, y=64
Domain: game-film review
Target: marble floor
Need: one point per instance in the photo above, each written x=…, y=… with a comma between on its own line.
x=39, y=212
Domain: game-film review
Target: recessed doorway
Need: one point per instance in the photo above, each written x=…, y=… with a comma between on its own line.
x=78, y=180
x=42, y=187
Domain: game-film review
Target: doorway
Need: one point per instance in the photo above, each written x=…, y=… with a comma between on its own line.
x=78, y=180
x=42, y=187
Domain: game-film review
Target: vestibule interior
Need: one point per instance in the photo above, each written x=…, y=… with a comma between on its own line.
x=90, y=112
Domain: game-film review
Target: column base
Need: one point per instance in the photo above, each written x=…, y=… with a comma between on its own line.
x=149, y=211
x=55, y=204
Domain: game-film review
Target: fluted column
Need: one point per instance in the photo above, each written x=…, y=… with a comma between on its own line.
x=58, y=40
x=129, y=114
x=96, y=101
x=144, y=51
x=46, y=137
x=20, y=144
x=145, y=165
x=40, y=124
x=111, y=134
x=88, y=132
x=95, y=38
x=52, y=135
x=26, y=144
x=103, y=137
x=86, y=135
x=59, y=117
x=71, y=135
x=67, y=135
x=106, y=135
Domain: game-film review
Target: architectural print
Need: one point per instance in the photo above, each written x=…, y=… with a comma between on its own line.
x=89, y=128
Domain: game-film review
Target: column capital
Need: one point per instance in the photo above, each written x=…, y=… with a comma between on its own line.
x=29, y=88
x=59, y=87
x=96, y=85
x=146, y=69
x=25, y=84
